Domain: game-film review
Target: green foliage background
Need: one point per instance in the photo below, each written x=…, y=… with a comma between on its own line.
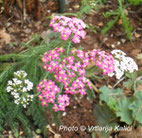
x=12, y=115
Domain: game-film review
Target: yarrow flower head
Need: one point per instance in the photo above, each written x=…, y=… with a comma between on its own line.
x=48, y=93
x=68, y=69
x=122, y=64
x=68, y=27
x=103, y=60
x=62, y=102
x=20, y=87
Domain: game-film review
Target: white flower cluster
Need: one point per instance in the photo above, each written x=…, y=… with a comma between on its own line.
x=21, y=73
x=19, y=88
x=122, y=64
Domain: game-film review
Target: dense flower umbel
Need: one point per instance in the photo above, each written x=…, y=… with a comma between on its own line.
x=68, y=70
x=19, y=88
x=68, y=27
x=48, y=93
x=63, y=101
x=78, y=85
x=122, y=64
x=102, y=60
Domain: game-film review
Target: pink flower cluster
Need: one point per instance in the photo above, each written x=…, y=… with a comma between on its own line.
x=103, y=60
x=68, y=27
x=63, y=101
x=48, y=92
x=78, y=85
x=68, y=70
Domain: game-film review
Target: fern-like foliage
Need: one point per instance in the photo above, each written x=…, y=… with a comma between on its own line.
x=119, y=13
x=125, y=21
x=14, y=116
x=39, y=115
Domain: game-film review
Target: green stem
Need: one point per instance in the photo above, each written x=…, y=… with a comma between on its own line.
x=69, y=47
x=61, y=87
x=46, y=75
x=36, y=94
